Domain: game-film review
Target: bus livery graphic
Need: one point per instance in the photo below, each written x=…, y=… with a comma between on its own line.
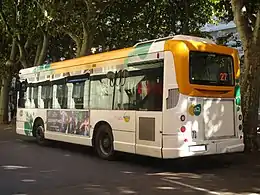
x=195, y=110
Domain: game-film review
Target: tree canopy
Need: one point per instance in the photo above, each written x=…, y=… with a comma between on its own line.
x=33, y=32
x=42, y=29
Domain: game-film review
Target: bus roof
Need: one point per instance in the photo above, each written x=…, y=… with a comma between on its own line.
x=143, y=51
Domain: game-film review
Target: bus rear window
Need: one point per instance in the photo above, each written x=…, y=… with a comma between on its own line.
x=211, y=69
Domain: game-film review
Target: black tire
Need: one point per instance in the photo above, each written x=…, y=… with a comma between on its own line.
x=104, y=143
x=39, y=133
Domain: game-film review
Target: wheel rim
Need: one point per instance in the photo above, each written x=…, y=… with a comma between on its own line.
x=40, y=133
x=105, y=143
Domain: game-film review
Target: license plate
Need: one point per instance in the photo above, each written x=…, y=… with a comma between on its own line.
x=198, y=148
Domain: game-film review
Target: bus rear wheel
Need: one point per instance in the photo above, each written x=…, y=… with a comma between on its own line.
x=104, y=143
x=39, y=134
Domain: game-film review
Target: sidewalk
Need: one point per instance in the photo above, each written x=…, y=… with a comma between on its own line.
x=7, y=131
x=7, y=126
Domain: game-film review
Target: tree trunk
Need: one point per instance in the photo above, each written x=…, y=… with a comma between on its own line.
x=7, y=80
x=77, y=41
x=6, y=90
x=86, y=45
x=44, y=48
x=23, y=57
x=185, y=23
x=38, y=52
x=250, y=91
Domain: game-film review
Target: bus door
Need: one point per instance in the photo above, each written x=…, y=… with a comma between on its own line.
x=149, y=115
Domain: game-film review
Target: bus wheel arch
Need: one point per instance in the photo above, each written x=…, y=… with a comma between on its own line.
x=103, y=140
x=38, y=130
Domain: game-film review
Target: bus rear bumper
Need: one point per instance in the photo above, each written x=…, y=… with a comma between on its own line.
x=202, y=148
x=223, y=147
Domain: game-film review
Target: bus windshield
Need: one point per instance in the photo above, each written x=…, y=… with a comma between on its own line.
x=211, y=69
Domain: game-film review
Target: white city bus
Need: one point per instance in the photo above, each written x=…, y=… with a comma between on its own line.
x=166, y=98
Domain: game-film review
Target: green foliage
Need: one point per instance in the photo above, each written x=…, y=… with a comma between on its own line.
x=130, y=21
x=223, y=10
x=73, y=27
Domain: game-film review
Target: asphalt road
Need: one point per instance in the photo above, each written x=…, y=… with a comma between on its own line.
x=26, y=168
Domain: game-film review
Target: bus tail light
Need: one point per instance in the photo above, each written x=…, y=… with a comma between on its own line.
x=183, y=129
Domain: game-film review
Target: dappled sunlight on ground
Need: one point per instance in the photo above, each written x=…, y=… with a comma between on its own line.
x=219, y=174
x=240, y=176
x=76, y=170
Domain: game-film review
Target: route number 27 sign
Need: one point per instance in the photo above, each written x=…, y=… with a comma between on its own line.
x=223, y=76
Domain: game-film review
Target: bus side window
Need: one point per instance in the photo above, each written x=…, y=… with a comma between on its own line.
x=143, y=89
x=62, y=95
x=46, y=95
x=35, y=96
x=29, y=99
x=101, y=93
x=78, y=94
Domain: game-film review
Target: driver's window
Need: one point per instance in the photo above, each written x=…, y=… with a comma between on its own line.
x=22, y=94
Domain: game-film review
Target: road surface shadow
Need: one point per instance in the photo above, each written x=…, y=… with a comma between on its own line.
x=189, y=164
x=226, y=173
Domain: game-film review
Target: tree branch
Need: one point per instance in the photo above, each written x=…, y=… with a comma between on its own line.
x=256, y=32
x=8, y=28
x=88, y=9
x=38, y=51
x=28, y=42
x=11, y=60
x=44, y=48
x=23, y=56
x=85, y=30
x=76, y=40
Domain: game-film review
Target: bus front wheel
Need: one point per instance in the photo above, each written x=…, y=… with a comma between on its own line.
x=104, y=142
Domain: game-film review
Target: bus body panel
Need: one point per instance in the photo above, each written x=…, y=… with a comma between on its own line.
x=123, y=125
x=25, y=119
x=148, y=133
x=180, y=51
x=218, y=147
x=214, y=127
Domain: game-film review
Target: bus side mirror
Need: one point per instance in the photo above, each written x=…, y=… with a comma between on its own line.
x=110, y=75
x=23, y=86
x=124, y=73
x=17, y=85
